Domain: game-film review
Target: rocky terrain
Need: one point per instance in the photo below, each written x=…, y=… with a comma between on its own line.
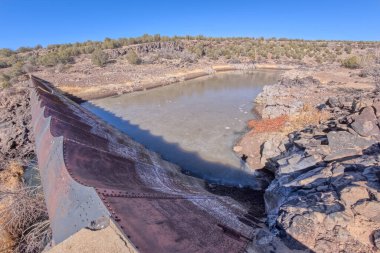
x=325, y=195
x=326, y=192
x=16, y=138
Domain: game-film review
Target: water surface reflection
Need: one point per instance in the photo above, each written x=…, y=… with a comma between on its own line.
x=193, y=124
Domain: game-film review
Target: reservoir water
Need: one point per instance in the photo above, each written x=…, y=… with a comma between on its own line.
x=194, y=124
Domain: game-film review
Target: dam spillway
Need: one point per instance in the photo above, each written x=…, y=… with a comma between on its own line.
x=90, y=170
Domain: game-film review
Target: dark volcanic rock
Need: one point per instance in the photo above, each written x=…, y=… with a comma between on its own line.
x=16, y=140
x=309, y=80
x=333, y=102
x=376, y=238
x=365, y=123
x=326, y=192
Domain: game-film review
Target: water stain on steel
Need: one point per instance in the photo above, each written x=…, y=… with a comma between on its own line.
x=88, y=173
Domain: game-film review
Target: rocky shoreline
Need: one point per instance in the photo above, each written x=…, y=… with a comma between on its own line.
x=162, y=79
x=325, y=195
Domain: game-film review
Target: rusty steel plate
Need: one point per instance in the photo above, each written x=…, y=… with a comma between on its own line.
x=90, y=170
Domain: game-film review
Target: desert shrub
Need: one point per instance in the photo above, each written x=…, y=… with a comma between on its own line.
x=51, y=59
x=99, y=58
x=351, y=62
x=5, y=81
x=133, y=58
x=28, y=68
x=23, y=213
x=65, y=58
x=4, y=64
x=376, y=77
x=348, y=49
x=88, y=49
x=48, y=60
x=198, y=50
x=17, y=69
x=6, y=52
x=234, y=61
x=186, y=56
x=24, y=49
x=110, y=44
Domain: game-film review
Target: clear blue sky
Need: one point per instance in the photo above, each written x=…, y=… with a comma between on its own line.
x=31, y=22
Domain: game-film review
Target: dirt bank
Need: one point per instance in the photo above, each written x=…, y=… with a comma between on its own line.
x=16, y=138
x=166, y=77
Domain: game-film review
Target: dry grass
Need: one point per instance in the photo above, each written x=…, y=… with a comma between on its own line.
x=308, y=116
x=24, y=222
x=268, y=125
x=287, y=124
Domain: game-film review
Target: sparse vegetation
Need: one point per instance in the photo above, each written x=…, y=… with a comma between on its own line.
x=309, y=115
x=23, y=215
x=5, y=81
x=3, y=65
x=133, y=58
x=351, y=62
x=99, y=58
x=190, y=49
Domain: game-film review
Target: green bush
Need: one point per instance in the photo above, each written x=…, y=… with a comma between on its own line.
x=5, y=81
x=6, y=52
x=111, y=44
x=99, y=58
x=3, y=65
x=17, y=69
x=24, y=49
x=133, y=58
x=348, y=49
x=63, y=56
x=48, y=60
x=351, y=62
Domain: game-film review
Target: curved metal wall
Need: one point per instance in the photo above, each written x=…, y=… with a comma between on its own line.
x=89, y=170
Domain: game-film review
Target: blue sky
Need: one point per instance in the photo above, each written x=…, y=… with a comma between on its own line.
x=32, y=22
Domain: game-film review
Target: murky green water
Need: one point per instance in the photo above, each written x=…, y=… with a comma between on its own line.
x=193, y=124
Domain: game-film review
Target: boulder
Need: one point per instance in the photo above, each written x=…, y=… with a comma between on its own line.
x=369, y=209
x=327, y=185
x=273, y=147
x=376, y=238
x=376, y=106
x=352, y=194
x=301, y=166
x=16, y=139
x=365, y=124
x=238, y=149
x=342, y=153
x=333, y=102
x=344, y=140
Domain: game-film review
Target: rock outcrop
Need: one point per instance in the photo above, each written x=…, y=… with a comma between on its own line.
x=326, y=192
x=288, y=96
x=16, y=140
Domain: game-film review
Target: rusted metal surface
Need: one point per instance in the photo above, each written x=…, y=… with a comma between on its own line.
x=88, y=171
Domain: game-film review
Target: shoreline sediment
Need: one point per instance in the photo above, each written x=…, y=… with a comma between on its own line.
x=98, y=92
